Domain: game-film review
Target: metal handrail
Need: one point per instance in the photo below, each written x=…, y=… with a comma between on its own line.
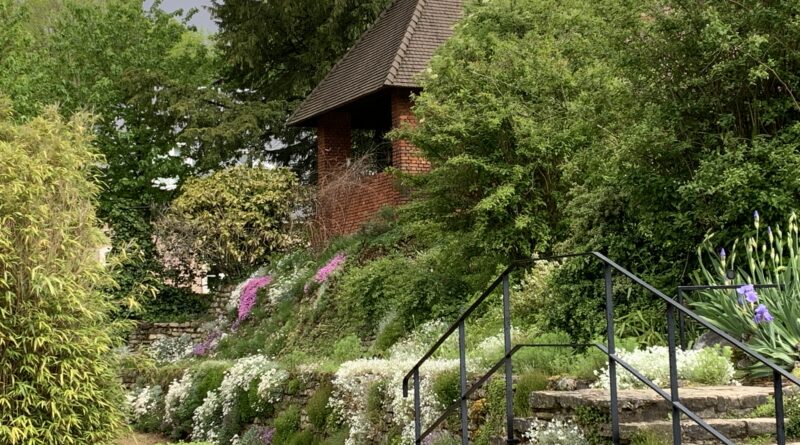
x=673, y=397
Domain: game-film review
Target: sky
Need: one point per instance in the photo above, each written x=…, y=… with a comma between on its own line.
x=202, y=20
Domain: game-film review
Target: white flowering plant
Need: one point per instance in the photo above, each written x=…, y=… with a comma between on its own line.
x=349, y=398
x=555, y=432
x=709, y=366
x=146, y=408
x=165, y=350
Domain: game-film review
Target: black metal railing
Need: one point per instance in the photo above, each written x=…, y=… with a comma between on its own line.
x=672, y=397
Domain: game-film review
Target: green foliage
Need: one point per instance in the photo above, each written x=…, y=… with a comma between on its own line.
x=376, y=396
x=303, y=438
x=589, y=419
x=57, y=376
x=317, y=408
x=287, y=424
x=560, y=126
x=266, y=72
x=711, y=366
x=140, y=66
x=771, y=258
x=527, y=383
x=390, y=330
x=207, y=376
x=649, y=438
x=447, y=387
x=347, y=348
x=151, y=422
x=233, y=219
x=495, y=408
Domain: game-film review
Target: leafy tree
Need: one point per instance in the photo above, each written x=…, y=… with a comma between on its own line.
x=232, y=220
x=272, y=54
x=632, y=128
x=57, y=380
x=135, y=77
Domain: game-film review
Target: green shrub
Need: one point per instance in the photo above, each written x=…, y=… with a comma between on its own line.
x=337, y=438
x=317, y=408
x=207, y=376
x=303, y=438
x=346, y=348
x=495, y=408
x=792, y=415
x=152, y=420
x=446, y=387
x=234, y=218
x=712, y=366
x=376, y=397
x=247, y=406
x=443, y=439
x=527, y=383
x=58, y=380
x=287, y=424
x=390, y=330
x=547, y=360
x=649, y=438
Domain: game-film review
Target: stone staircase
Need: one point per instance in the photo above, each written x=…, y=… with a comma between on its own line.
x=729, y=409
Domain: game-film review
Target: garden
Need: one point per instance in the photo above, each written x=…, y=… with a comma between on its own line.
x=663, y=134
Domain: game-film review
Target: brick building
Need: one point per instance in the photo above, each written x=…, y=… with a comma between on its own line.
x=370, y=89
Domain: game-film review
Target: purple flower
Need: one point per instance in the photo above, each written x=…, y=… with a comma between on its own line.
x=327, y=270
x=266, y=435
x=762, y=315
x=749, y=293
x=755, y=216
x=209, y=344
x=722, y=253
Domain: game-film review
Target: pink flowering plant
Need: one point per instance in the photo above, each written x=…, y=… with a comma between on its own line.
x=326, y=271
x=766, y=318
x=249, y=297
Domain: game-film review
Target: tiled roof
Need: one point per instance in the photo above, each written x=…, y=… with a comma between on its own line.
x=391, y=53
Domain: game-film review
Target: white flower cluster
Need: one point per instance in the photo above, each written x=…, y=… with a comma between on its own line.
x=166, y=350
x=555, y=432
x=176, y=396
x=349, y=398
x=206, y=420
x=653, y=363
x=269, y=388
x=143, y=401
x=417, y=343
x=239, y=377
x=283, y=284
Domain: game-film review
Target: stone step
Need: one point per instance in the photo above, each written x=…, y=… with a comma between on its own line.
x=693, y=434
x=640, y=405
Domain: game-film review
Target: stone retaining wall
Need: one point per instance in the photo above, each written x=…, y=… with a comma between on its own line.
x=147, y=332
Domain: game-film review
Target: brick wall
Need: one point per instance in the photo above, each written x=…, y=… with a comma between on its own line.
x=405, y=156
x=358, y=203
x=361, y=204
x=334, y=143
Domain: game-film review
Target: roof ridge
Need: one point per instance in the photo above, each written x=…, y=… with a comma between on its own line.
x=347, y=55
x=401, y=51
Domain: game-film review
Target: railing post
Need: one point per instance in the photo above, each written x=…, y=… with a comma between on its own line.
x=780, y=432
x=417, y=408
x=462, y=355
x=673, y=375
x=612, y=364
x=509, y=371
x=681, y=321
